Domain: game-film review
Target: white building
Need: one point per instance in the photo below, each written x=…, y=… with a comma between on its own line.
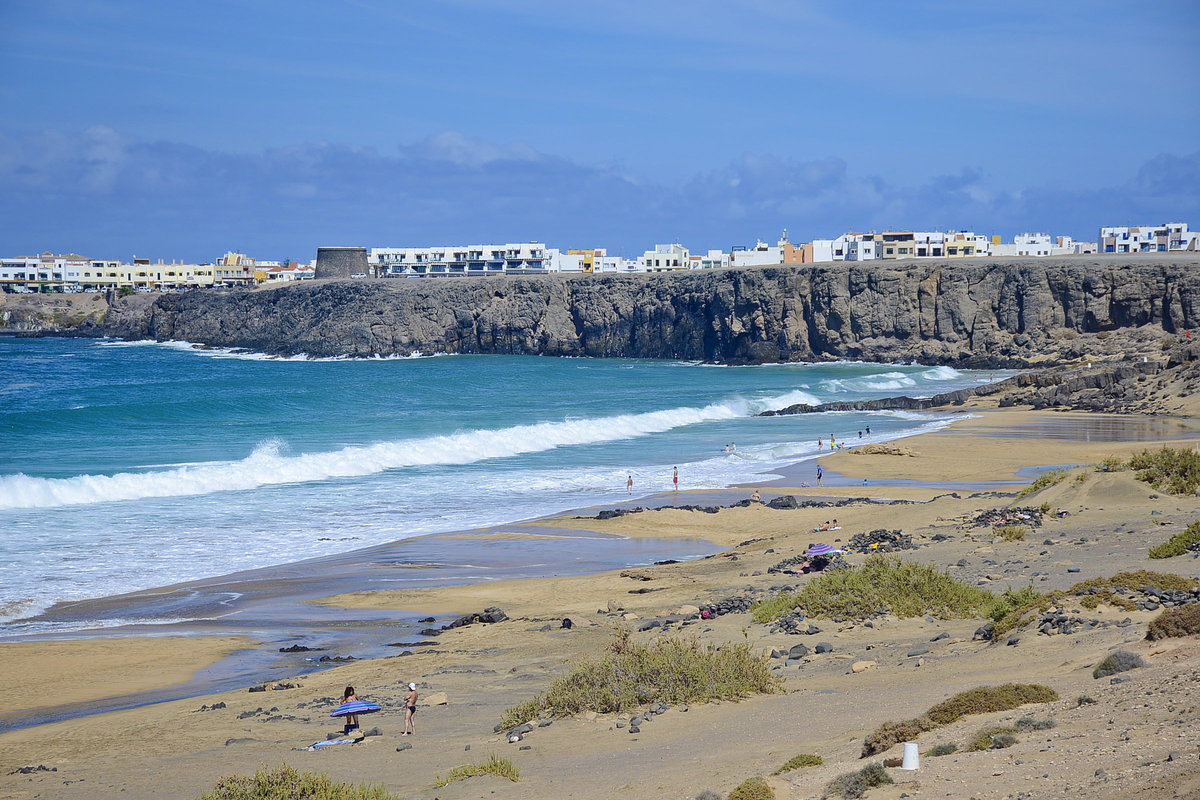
x=761, y=255
x=665, y=258
x=1066, y=246
x=1168, y=237
x=479, y=259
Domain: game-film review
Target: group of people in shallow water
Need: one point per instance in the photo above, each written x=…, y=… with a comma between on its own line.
x=410, y=709
x=834, y=444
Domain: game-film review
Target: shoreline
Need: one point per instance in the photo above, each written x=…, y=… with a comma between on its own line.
x=266, y=595
x=482, y=668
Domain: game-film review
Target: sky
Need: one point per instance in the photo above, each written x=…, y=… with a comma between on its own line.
x=185, y=129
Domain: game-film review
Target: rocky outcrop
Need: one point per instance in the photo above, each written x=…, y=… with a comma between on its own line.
x=988, y=314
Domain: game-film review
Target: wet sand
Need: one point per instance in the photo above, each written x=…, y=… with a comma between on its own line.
x=1117, y=747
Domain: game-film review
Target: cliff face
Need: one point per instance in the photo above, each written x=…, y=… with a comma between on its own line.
x=994, y=313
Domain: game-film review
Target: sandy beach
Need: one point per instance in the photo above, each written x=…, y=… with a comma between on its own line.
x=1137, y=739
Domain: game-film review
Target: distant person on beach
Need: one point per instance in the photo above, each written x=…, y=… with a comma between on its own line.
x=756, y=497
x=410, y=708
x=832, y=443
x=675, y=478
x=860, y=434
x=868, y=431
x=733, y=447
x=819, y=474
x=349, y=696
x=629, y=485
x=820, y=443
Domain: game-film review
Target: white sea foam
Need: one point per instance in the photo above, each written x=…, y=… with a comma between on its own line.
x=271, y=463
x=251, y=355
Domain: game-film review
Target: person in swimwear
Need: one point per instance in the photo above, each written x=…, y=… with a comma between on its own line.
x=410, y=708
x=349, y=696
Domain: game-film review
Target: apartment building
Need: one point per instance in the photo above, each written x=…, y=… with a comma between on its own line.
x=665, y=258
x=1165, y=238
x=460, y=260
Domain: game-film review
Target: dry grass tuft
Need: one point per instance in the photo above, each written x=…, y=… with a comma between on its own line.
x=1175, y=622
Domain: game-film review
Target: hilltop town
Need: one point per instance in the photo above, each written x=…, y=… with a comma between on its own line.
x=76, y=273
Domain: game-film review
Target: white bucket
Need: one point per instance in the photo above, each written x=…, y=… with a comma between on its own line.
x=911, y=759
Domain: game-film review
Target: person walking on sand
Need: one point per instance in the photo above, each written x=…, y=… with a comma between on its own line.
x=675, y=478
x=410, y=708
x=629, y=485
x=819, y=474
x=349, y=696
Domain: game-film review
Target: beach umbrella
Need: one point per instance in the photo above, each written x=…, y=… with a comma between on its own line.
x=355, y=707
x=820, y=550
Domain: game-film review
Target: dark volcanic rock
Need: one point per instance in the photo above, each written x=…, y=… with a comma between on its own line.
x=991, y=313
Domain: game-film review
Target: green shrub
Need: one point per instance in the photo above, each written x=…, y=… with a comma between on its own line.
x=1120, y=661
x=1010, y=533
x=1111, y=464
x=802, y=760
x=1045, y=479
x=495, y=765
x=855, y=784
x=671, y=670
x=942, y=749
x=905, y=588
x=285, y=783
x=981, y=700
x=1168, y=470
x=1177, y=545
x=125, y=291
x=1175, y=622
x=993, y=739
x=753, y=789
x=986, y=699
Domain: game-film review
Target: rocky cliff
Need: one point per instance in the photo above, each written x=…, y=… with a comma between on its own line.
x=994, y=313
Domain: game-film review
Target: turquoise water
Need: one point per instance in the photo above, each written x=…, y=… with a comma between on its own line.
x=132, y=465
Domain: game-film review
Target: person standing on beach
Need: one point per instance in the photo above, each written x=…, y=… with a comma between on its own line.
x=675, y=478
x=410, y=708
x=819, y=474
x=629, y=485
x=820, y=444
x=868, y=431
x=349, y=696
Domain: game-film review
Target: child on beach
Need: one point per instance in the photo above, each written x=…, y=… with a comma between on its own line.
x=410, y=708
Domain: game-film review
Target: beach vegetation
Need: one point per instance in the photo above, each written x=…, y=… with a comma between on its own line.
x=943, y=749
x=1111, y=464
x=672, y=670
x=495, y=765
x=1032, y=724
x=753, y=789
x=1045, y=479
x=1175, y=622
x=1011, y=533
x=287, y=783
x=855, y=784
x=1080, y=477
x=125, y=291
x=996, y=738
x=1084, y=700
x=1173, y=470
x=903, y=588
x=1177, y=545
x=981, y=700
x=1120, y=661
x=802, y=760
x=1107, y=590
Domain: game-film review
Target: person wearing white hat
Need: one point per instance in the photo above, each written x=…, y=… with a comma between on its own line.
x=410, y=708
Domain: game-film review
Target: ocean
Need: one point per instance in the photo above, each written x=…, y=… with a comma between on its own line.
x=126, y=466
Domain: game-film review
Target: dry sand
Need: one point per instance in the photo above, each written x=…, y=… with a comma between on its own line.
x=1139, y=739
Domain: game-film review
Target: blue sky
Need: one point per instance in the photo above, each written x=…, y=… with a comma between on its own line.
x=182, y=129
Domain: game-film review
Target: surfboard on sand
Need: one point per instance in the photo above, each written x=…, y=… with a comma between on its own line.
x=355, y=707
